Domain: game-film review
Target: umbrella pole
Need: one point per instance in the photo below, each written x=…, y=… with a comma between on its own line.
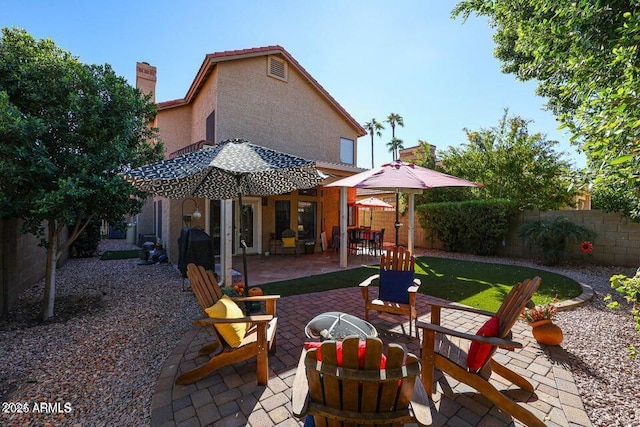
x=243, y=245
x=397, y=224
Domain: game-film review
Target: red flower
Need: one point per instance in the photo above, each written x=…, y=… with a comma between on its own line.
x=586, y=247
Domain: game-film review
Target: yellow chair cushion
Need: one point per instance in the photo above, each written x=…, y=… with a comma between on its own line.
x=226, y=308
x=289, y=242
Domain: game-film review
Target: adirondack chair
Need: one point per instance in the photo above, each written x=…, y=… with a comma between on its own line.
x=366, y=387
x=449, y=350
x=257, y=342
x=397, y=287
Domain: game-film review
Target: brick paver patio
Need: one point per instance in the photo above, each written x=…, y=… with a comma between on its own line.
x=231, y=396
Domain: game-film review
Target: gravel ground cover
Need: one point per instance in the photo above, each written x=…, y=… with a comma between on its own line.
x=116, y=322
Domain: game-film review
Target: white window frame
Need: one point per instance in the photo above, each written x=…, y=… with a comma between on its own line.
x=347, y=153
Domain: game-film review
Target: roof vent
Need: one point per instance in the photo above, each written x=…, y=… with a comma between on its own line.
x=277, y=68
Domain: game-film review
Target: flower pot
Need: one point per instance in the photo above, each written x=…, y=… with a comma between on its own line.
x=546, y=332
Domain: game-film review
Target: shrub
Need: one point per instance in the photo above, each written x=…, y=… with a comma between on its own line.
x=86, y=245
x=629, y=287
x=475, y=226
x=550, y=237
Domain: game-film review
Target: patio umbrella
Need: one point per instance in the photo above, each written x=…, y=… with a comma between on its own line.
x=231, y=169
x=399, y=176
x=373, y=202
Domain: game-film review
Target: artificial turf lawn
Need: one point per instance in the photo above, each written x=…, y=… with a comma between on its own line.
x=134, y=253
x=477, y=284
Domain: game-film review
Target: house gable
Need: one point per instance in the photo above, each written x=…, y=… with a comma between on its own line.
x=211, y=60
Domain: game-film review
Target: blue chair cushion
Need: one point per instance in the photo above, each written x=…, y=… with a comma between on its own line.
x=393, y=285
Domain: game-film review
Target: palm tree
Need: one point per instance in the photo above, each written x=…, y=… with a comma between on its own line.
x=394, y=119
x=395, y=145
x=373, y=126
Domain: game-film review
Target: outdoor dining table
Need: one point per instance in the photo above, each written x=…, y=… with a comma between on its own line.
x=365, y=239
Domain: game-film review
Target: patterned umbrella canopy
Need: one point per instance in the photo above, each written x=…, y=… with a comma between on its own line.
x=229, y=170
x=224, y=171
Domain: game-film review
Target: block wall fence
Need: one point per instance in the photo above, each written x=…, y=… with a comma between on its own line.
x=22, y=262
x=617, y=242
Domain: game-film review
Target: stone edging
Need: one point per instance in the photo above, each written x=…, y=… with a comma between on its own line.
x=586, y=296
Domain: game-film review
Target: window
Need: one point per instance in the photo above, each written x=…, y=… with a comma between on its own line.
x=211, y=127
x=346, y=151
x=306, y=220
x=277, y=68
x=283, y=217
x=351, y=216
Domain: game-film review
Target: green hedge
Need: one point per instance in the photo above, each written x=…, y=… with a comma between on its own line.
x=474, y=226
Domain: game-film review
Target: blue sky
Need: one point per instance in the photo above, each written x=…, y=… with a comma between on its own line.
x=375, y=57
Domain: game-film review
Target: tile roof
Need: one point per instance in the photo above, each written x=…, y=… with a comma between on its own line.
x=213, y=58
x=190, y=148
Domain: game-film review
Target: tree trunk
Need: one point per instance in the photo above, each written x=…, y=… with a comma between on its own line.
x=50, y=275
x=53, y=254
x=372, y=150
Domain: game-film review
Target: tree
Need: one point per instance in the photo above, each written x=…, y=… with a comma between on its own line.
x=584, y=55
x=395, y=120
x=423, y=154
x=425, y=159
x=395, y=145
x=512, y=163
x=372, y=127
x=66, y=130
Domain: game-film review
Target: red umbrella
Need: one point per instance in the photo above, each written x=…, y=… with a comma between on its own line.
x=373, y=202
x=399, y=176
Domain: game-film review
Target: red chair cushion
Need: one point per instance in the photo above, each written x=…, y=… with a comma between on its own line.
x=361, y=350
x=479, y=352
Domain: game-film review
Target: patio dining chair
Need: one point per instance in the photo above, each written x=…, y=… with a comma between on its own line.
x=468, y=358
x=335, y=237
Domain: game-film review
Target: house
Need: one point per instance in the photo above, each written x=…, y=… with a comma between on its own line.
x=265, y=96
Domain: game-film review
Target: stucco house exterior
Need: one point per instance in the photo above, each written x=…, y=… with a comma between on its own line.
x=265, y=96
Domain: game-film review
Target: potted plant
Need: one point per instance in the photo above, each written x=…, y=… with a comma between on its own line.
x=540, y=318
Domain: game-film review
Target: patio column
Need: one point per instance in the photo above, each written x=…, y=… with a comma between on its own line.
x=344, y=217
x=412, y=224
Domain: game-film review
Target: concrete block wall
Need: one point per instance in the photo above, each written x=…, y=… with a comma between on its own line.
x=386, y=219
x=22, y=263
x=617, y=242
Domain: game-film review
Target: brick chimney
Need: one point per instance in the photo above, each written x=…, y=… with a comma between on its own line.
x=146, y=79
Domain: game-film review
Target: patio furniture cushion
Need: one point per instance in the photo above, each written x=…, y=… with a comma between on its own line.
x=289, y=242
x=226, y=308
x=394, y=284
x=479, y=352
x=362, y=347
